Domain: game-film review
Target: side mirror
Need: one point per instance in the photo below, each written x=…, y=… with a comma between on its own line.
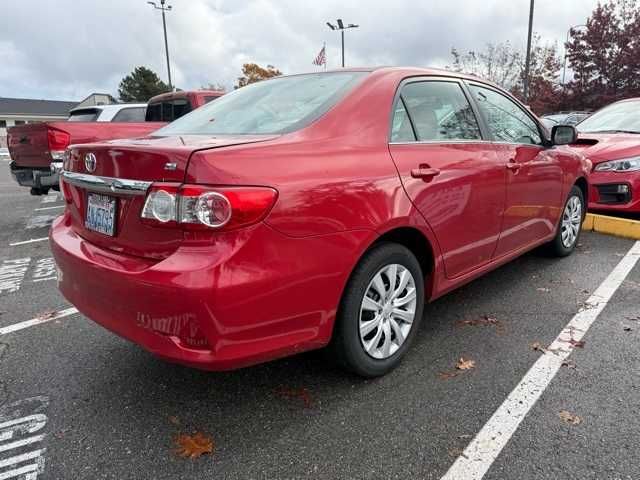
x=563, y=134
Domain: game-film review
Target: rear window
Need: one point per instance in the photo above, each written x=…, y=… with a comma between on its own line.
x=168, y=110
x=84, y=115
x=278, y=105
x=131, y=114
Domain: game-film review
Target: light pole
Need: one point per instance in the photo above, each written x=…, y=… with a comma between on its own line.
x=342, y=28
x=525, y=89
x=564, y=68
x=164, y=27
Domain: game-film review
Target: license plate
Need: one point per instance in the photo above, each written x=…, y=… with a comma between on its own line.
x=101, y=214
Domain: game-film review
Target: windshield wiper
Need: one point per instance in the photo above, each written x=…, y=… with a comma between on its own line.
x=612, y=131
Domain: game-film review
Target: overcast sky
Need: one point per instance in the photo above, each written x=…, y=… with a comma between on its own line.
x=66, y=49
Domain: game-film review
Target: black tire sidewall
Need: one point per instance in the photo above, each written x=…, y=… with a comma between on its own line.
x=347, y=332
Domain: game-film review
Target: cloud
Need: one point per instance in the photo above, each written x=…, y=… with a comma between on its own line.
x=67, y=49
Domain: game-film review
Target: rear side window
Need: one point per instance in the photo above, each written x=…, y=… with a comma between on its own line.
x=439, y=111
x=133, y=114
x=84, y=115
x=180, y=107
x=506, y=120
x=154, y=112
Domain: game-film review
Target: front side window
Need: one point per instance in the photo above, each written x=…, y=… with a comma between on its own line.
x=439, y=112
x=279, y=105
x=506, y=120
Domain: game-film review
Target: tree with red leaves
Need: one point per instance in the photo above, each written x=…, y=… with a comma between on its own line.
x=605, y=56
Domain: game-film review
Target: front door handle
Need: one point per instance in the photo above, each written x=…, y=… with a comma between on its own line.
x=425, y=172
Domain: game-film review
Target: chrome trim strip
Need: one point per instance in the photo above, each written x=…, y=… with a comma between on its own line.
x=96, y=183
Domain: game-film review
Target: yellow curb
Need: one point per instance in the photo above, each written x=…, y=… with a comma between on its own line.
x=619, y=227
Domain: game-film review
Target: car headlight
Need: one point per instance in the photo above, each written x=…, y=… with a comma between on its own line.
x=623, y=165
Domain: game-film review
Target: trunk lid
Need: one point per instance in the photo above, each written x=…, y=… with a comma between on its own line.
x=147, y=160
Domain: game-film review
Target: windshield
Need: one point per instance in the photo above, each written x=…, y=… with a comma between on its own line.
x=278, y=105
x=619, y=117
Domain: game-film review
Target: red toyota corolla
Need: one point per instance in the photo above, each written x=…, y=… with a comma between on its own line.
x=311, y=210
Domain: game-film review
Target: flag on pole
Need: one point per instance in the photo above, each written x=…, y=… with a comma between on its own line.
x=321, y=59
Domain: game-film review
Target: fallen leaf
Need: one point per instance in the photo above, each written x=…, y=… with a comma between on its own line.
x=291, y=393
x=485, y=320
x=46, y=315
x=537, y=347
x=457, y=452
x=447, y=375
x=577, y=343
x=542, y=289
x=174, y=420
x=569, y=364
x=464, y=437
x=193, y=446
x=627, y=329
x=569, y=418
x=465, y=364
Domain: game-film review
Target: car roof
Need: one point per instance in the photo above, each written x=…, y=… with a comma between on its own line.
x=184, y=94
x=107, y=108
x=406, y=71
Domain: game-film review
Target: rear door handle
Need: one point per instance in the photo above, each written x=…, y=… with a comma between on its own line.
x=425, y=172
x=513, y=166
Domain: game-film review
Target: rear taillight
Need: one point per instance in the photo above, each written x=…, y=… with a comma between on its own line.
x=58, y=141
x=197, y=207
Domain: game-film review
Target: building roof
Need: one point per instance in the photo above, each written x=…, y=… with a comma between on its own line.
x=28, y=106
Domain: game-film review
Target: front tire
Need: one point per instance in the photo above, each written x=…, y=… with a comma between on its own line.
x=570, y=226
x=380, y=311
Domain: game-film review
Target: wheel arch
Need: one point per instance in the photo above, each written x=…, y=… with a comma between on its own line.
x=583, y=185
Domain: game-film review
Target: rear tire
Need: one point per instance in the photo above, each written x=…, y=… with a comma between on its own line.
x=570, y=227
x=380, y=311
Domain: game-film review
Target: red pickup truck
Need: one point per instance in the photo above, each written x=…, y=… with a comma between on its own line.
x=37, y=149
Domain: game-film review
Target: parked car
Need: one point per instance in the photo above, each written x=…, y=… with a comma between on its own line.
x=122, y=112
x=610, y=138
x=311, y=210
x=37, y=149
x=166, y=107
x=565, y=118
x=4, y=154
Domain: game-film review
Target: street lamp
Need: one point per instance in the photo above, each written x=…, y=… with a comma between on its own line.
x=564, y=68
x=164, y=27
x=525, y=89
x=342, y=28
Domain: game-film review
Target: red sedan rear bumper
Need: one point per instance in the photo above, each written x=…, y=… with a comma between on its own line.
x=252, y=296
x=601, y=182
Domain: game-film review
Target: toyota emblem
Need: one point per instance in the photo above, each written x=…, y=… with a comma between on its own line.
x=90, y=162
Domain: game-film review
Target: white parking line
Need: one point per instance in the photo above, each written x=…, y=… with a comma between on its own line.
x=477, y=458
x=48, y=208
x=37, y=321
x=33, y=240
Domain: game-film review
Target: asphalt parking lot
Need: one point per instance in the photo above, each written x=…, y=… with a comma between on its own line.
x=77, y=402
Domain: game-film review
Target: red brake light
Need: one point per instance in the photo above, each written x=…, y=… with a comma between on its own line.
x=197, y=207
x=57, y=139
